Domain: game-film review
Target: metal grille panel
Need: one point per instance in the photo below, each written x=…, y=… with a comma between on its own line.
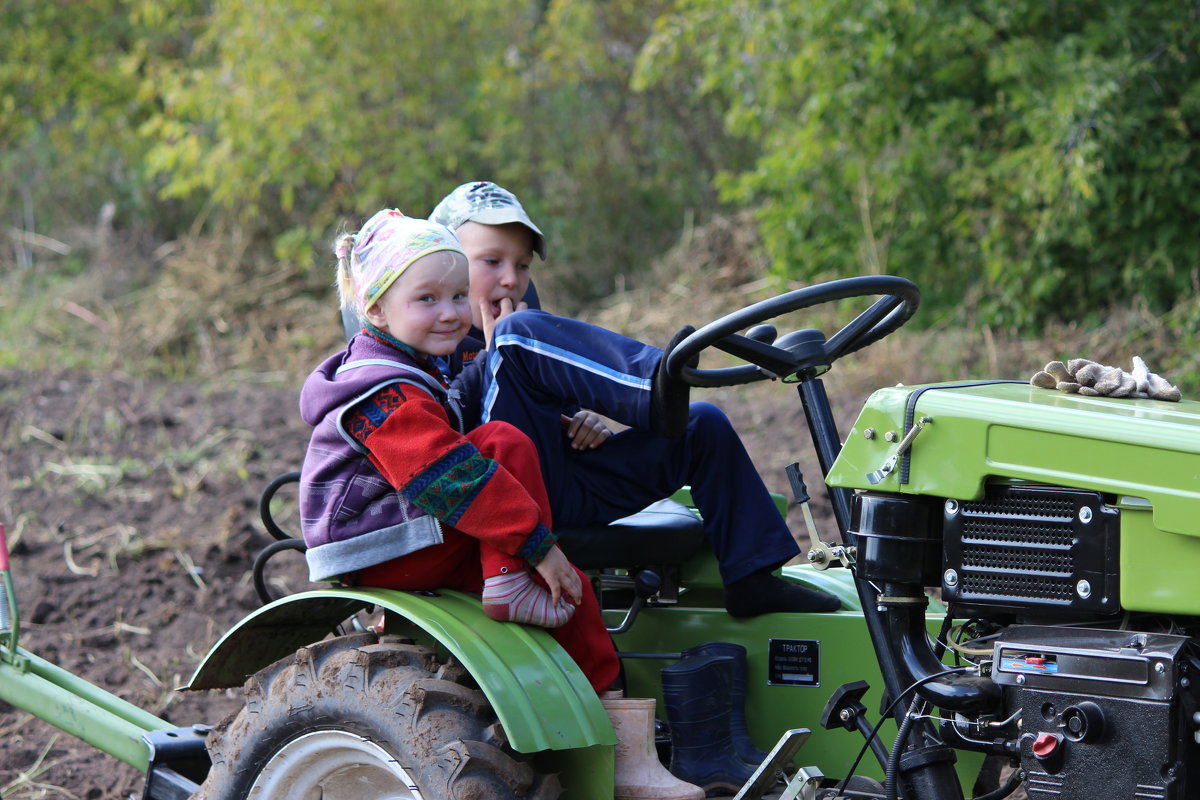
x=1038, y=549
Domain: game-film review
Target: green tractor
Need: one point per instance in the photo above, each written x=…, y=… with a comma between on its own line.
x=1017, y=569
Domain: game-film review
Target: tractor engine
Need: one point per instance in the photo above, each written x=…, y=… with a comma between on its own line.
x=1089, y=701
x=1063, y=532
x=1104, y=713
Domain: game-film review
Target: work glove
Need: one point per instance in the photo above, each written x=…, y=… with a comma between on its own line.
x=1086, y=377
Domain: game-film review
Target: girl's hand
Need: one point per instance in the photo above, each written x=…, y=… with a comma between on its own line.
x=586, y=430
x=490, y=319
x=560, y=577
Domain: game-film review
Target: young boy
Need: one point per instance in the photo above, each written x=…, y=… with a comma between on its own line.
x=540, y=369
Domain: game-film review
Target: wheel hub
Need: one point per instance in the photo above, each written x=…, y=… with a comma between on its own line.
x=334, y=765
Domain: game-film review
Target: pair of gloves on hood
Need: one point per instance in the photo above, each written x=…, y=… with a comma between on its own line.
x=1079, y=375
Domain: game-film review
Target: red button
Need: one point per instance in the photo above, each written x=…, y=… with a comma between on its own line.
x=1035, y=660
x=1045, y=744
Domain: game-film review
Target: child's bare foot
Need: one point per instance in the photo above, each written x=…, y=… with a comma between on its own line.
x=516, y=598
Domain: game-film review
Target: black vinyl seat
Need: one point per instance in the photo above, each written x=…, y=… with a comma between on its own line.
x=665, y=534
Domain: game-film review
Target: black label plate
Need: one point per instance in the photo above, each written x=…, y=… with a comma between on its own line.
x=794, y=662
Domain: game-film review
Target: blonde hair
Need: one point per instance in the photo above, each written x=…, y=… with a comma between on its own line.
x=343, y=249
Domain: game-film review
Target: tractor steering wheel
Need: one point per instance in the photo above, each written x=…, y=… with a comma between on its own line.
x=802, y=354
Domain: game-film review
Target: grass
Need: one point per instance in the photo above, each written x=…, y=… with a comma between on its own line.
x=26, y=785
x=205, y=309
x=709, y=276
x=217, y=310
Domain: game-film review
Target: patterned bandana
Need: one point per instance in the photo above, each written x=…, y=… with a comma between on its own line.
x=489, y=204
x=387, y=244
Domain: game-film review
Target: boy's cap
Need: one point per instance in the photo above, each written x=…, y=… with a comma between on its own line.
x=388, y=244
x=489, y=204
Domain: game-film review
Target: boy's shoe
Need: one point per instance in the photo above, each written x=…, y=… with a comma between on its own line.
x=763, y=593
x=669, y=396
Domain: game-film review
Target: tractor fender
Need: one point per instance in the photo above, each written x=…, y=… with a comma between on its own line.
x=539, y=694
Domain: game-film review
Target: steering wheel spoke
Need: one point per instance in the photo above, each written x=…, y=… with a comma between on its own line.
x=775, y=361
x=862, y=325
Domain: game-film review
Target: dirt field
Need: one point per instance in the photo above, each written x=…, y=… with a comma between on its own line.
x=131, y=511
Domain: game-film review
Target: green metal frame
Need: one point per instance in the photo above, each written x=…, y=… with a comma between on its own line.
x=1139, y=448
x=77, y=707
x=67, y=702
x=540, y=695
x=1144, y=452
x=846, y=653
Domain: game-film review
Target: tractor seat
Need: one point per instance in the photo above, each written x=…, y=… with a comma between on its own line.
x=665, y=534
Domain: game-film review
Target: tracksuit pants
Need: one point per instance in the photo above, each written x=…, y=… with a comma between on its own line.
x=539, y=364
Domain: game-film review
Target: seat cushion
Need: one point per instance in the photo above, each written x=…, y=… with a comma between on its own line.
x=665, y=533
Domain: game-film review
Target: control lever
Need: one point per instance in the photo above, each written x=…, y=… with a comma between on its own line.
x=823, y=555
x=905, y=443
x=765, y=333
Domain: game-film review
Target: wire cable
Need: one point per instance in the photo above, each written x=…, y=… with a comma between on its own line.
x=887, y=714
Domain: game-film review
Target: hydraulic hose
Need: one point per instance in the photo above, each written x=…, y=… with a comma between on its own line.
x=1015, y=778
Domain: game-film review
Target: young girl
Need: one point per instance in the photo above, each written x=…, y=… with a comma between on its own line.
x=394, y=492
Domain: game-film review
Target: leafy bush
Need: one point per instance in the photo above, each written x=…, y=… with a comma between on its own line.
x=1030, y=161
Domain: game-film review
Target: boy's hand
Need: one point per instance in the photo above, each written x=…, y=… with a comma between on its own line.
x=490, y=319
x=586, y=429
x=560, y=577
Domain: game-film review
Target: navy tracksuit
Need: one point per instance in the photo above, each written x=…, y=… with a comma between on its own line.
x=541, y=366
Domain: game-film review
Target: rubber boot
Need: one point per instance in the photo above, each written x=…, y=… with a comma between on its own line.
x=740, y=731
x=697, y=693
x=639, y=773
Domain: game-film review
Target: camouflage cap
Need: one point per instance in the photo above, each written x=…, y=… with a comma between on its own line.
x=486, y=203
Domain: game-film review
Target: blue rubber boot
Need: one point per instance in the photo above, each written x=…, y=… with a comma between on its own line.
x=742, y=743
x=696, y=696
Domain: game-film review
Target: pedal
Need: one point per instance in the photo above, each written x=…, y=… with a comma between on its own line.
x=783, y=752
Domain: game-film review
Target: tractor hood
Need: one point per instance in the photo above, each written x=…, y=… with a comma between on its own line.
x=971, y=434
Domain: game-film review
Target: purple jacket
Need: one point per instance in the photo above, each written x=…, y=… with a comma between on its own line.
x=351, y=517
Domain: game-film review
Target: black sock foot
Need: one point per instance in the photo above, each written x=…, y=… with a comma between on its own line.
x=669, y=399
x=764, y=593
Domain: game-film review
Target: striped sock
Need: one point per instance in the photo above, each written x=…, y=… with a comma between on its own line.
x=516, y=598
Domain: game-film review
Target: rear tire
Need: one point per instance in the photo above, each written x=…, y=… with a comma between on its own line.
x=360, y=718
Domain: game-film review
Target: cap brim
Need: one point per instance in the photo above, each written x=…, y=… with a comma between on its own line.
x=505, y=216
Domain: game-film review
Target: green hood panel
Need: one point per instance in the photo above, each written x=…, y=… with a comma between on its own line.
x=1139, y=448
x=542, y=698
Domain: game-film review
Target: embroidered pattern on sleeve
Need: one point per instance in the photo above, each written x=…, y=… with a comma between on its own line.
x=537, y=545
x=446, y=488
x=371, y=413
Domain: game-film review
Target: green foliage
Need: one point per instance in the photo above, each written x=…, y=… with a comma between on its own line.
x=296, y=110
x=1030, y=159
x=1022, y=161
x=72, y=90
x=293, y=116
x=616, y=173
